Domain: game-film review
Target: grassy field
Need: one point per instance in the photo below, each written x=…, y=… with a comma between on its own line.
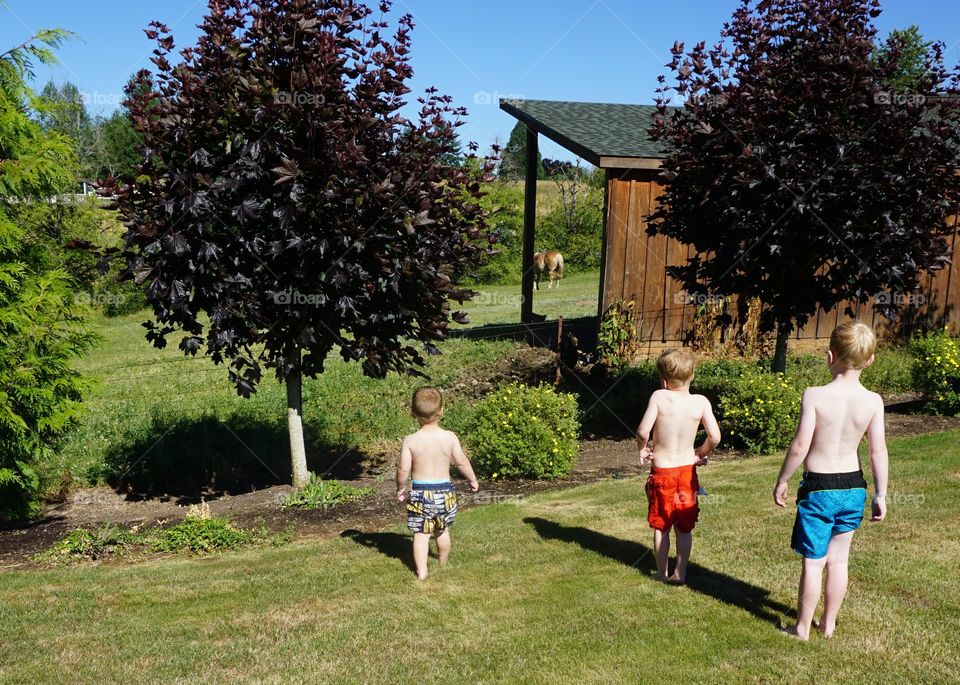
x=554, y=589
x=575, y=296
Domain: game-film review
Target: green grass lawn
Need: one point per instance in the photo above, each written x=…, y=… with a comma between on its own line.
x=555, y=589
x=576, y=296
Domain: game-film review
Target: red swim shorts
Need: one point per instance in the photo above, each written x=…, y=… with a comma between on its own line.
x=672, y=498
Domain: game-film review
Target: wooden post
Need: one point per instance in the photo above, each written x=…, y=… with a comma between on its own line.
x=558, y=376
x=529, y=226
x=603, y=245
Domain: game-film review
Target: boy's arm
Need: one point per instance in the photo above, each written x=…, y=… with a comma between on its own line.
x=798, y=449
x=403, y=470
x=463, y=465
x=710, y=425
x=878, y=463
x=644, y=429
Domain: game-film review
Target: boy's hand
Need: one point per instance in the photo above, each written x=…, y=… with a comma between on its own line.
x=702, y=461
x=474, y=486
x=402, y=495
x=646, y=454
x=879, y=508
x=780, y=494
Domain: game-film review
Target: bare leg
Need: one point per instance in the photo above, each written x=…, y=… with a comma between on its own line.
x=836, y=586
x=421, y=549
x=443, y=546
x=661, y=551
x=684, y=545
x=808, y=597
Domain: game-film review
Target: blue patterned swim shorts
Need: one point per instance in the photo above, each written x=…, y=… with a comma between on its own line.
x=827, y=504
x=431, y=507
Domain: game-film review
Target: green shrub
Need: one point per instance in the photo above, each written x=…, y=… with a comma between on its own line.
x=520, y=431
x=322, y=494
x=200, y=535
x=758, y=411
x=936, y=372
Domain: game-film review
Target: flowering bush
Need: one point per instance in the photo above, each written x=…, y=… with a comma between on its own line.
x=759, y=410
x=936, y=372
x=520, y=431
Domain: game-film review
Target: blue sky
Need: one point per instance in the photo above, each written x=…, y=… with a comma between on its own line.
x=588, y=50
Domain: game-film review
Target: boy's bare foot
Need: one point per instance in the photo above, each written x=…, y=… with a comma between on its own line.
x=794, y=632
x=676, y=580
x=421, y=577
x=825, y=630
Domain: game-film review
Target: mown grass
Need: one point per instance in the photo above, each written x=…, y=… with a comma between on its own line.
x=575, y=296
x=555, y=589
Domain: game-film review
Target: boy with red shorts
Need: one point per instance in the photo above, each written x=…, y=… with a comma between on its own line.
x=674, y=415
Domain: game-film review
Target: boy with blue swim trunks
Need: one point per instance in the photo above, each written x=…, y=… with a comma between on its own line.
x=833, y=492
x=432, y=502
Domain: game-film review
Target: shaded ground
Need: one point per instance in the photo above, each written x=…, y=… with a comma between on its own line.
x=598, y=460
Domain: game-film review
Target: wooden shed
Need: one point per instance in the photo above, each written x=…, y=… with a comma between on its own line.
x=614, y=138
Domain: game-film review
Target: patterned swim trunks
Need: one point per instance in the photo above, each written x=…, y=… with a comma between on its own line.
x=431, y=507
x=827, y=504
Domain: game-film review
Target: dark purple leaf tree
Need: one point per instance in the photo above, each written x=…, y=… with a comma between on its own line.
x=285, y=206
x=798, y=170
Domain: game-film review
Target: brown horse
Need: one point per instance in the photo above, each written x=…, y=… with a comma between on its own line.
x=552, y=263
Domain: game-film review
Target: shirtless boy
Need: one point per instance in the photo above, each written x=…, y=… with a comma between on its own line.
x=832, y=494
x=432, y=502
x=674, y=415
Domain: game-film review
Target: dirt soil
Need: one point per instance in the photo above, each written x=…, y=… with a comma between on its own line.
x=598, y=460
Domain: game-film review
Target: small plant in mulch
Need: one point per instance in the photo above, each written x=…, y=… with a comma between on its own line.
x=322, y=494
x=198, y=533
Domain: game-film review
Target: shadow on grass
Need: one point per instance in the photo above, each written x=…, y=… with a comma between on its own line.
x=751, y=598
x=189, y=458
x=394, y=545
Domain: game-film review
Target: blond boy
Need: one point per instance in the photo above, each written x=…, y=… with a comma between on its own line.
x=674, y=415
x=832, y=494
x=432, y=501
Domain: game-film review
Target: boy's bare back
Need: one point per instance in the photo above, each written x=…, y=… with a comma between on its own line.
x=431, y=450
x=835, y=417
x=675, y=416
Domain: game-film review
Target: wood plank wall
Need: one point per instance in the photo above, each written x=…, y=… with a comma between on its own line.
x=635, y=269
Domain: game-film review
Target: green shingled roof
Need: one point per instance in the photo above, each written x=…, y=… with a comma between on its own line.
x=590, y=129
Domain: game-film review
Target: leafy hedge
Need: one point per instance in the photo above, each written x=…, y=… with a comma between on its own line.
x=936, y=372
x=520, y=431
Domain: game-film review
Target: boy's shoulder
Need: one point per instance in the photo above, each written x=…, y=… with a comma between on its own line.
x=438, y=434
x=815, y=392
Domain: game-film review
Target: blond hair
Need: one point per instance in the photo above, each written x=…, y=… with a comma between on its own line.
x=852, y=344
x=426, y=405
x=676, y=365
